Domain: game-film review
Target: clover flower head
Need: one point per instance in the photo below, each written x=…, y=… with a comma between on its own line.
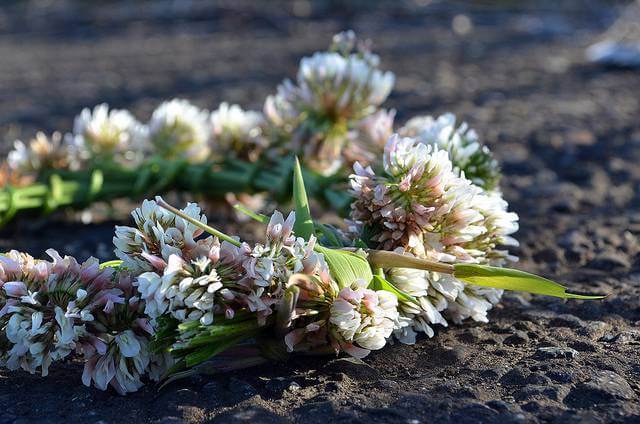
x=363, y=319
x=48, y=307
x=269, y=265
x=418, y=203
x=466, y=153
x=432, y=292
x=116, y=344
x=44, y=152
x=157, y=235
x=178, y=129
x=198, y=289
x=109, y=133
x=325, y=318
x=238, y=131
x=338, y=87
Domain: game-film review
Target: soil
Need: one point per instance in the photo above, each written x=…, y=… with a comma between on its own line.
x=567, y=133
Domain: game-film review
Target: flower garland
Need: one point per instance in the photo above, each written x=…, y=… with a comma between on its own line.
x=423, y=245
x=330, y=115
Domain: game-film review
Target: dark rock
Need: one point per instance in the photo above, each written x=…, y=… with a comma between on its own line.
x=583, y=346
x=280, y=384
x=253, y=414
x=537, y=379
x=594, y=330
x=515, y=377
x=318, y=409
x=241, y=389
x=555, y=393
x=352, y=367
x=566, y=320
x=452, y=356
x=560, y=376
x=604, y=387
x=498, y=405
x=610, y=261
x=551, y=352
x=474, y=413
x=517, y=339
x=388, y=385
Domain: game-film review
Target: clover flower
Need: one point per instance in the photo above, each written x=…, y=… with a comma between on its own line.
x=116, y=346
x=433, y=293
x=332, y=92
x=354, y=319
x=465, y=151
x=238, y=131
x=336, y=87
x=418, y=204
x=48, y=307
x=197, y=289
x=44, y=152
x=111, y=133
x=178, y=129
x=157, y=235
x=269, y=265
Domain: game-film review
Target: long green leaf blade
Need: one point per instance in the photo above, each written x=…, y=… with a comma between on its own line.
x=379, y=283
x=303, y=226
x=513, y=279
x=346, y=267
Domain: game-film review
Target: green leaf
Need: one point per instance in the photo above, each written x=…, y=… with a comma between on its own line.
x=303, y=226
x=346, y=267
x=512, y=279
x=379, y=283
x=116, y=263
x=263, y=219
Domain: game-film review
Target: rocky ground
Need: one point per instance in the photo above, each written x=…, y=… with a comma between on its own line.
x=566, y=132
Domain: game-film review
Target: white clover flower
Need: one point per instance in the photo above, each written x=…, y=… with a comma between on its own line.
x=433, y=293
x=364, y=319
x=43, y=153
x=108, y=133
x=418, y=204
x=47, y=306
x=238, y=131
x=125, y=361
x=466, y=153
x=178, y=130
x=330, y=85
x=157, y=235
x=269, y=266
x=195, y=290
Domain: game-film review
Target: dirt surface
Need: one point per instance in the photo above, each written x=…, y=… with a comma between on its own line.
x=566, y=132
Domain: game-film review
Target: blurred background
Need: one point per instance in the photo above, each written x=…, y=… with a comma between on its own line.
x=566, y=130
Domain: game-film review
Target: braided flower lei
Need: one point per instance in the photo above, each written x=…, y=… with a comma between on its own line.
x=330, y=115
x=423, y=246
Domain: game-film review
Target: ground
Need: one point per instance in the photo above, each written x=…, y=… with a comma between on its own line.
x=567, y=133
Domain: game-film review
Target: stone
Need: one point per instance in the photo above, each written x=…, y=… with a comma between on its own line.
x=527, y=393
x=594, y=330
x=566, y=320
x=241, y=388
x=351, y=367
x=604, y=387
x=388, y=385
x=515, y=377
x=517, y=339
x=561, y=376
x=609, y=261
x=553, y=352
